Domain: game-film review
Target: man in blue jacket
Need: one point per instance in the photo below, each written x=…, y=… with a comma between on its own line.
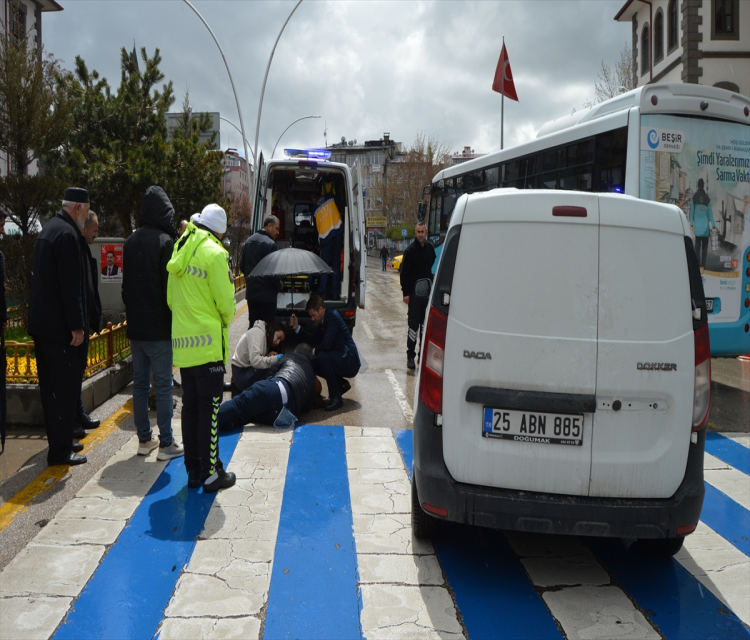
x=336, y=356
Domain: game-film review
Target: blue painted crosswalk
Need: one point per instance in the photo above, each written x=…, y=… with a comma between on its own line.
x=314, y=541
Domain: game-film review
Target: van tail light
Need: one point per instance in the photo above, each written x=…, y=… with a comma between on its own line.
x=431, y=378
x=702, y=392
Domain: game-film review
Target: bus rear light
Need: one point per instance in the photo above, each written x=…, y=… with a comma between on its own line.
x=438, y=511
x=702, y=391
x=747, y=302
x=349, y=313
x=684, y=530
x=431, y=378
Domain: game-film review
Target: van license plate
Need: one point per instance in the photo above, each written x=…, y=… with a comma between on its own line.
x=709, y=305
x=532, y=426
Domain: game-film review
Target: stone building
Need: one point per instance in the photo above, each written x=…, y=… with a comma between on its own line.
x=464, y=156
x=696, y=41
x=373, y=157
x=235, y=180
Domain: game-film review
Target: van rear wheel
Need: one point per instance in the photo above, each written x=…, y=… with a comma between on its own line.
x=422, y=524
x=661, y=548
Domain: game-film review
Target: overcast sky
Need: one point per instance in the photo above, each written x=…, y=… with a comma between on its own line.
x=365, y=67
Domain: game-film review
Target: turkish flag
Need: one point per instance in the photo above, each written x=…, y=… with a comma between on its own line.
x=503, y=82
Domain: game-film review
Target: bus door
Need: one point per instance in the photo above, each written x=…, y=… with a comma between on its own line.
x=259, y=195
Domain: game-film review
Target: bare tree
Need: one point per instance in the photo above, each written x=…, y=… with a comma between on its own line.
x=400, y=191
x=612, y=81
x=239, y=230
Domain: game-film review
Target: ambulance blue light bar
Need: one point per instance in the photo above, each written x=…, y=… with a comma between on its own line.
x=312, y=154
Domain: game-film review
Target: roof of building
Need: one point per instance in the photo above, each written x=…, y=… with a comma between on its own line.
x=50, y=5
x=627, y=11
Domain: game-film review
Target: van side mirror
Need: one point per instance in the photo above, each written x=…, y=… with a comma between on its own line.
x=422, y=289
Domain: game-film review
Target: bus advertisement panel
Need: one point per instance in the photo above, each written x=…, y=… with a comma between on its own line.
x=703, y=166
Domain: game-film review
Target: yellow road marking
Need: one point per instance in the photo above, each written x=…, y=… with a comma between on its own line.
x=240, y=310
x=50, y=476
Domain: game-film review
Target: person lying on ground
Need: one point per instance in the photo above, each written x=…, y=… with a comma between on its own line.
x=255, y=354
x=291, y=383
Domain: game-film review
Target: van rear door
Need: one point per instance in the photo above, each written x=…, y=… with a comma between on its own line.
x=357, y=229
x=523, y=317
x=646, y=359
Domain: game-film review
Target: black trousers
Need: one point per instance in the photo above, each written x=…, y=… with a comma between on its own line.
x=415, y=318
x=202, y=390
x=60, y=370
x=245, y=377
x=331, y=366
x=257, y=310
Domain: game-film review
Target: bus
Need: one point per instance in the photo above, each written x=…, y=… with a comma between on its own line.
x=684, y=144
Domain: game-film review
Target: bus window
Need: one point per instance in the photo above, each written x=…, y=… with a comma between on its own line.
x=553, y=160
x=611, y=154
x=436, y=206
x=580, y=153
x=448, y=204
x=491, y=177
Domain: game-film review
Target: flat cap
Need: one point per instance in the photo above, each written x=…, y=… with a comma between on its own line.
x=76, y=194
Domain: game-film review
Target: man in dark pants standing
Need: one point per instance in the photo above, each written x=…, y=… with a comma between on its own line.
x=336, y=356
x=384, y=256
x=58, y=322
x=90, y=233
x=260, y=292
x=416, y=265
x=291, y=384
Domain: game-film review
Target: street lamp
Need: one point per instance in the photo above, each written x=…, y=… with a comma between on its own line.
x=263, y=89
x=287, y=129
x=231, y=80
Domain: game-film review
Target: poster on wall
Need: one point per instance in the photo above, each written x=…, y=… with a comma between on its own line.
x=703, y=166
x=111, y=262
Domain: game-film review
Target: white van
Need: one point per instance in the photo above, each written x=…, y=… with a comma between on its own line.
x=565, y=380
x=288, y=189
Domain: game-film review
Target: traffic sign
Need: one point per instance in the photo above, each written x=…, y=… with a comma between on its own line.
x=404, y=233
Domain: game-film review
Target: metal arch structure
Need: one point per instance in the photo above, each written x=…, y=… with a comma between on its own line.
x=231, y=80
x=263, y=89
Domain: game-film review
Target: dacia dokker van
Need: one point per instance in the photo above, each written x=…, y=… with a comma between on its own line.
x=565, y=379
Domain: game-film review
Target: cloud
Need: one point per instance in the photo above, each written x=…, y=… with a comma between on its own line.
x=365, y=67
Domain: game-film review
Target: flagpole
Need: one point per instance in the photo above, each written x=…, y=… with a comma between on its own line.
x=502, y=101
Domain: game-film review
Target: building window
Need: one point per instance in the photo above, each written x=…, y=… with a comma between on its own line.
x=673, y=22
x=658, y=36
x=645, y=50
x=17, y=19
x=725, y=20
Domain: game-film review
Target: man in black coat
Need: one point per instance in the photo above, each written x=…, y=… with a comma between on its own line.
x=90, y=233
x=336, y=355
x=291, y=383
x=260, y=292
x=415, y=265
x=58, y=322
x=144, y=292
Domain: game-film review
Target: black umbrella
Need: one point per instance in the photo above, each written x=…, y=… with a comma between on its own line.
x=290, y=262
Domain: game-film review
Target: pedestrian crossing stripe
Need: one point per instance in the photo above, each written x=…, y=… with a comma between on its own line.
x=190, y=563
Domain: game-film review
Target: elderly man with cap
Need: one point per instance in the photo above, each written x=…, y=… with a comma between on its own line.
x=58, y=321
x=200, y=293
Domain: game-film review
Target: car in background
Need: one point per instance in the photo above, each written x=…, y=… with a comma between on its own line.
x=396, y=262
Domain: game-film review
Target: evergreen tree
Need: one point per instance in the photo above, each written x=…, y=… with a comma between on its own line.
x=35, y=118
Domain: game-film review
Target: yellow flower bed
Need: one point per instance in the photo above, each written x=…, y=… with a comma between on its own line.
x=28, y=368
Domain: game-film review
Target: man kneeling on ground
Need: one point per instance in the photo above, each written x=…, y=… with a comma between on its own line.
x=336, y=355
x=291, y=383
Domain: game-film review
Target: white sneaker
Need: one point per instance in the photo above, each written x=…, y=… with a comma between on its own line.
x=144, y=448
x=174, y=450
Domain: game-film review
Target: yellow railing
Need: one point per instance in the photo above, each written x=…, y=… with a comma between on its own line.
x=105, y=348
x=239, y=283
